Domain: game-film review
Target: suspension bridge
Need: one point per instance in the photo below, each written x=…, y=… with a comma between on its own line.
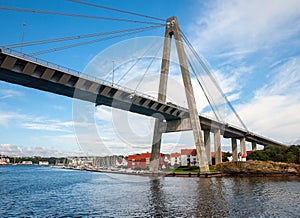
x=29, y=71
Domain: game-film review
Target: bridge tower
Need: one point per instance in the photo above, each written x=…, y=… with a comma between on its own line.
x=173, y=30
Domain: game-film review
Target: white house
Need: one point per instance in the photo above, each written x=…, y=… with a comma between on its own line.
x=121, y=162
x=189, y=157
x=175, y=159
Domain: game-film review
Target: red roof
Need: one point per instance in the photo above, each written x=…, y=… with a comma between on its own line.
x=175, y=155
x=188, y=152
x=213, y=154
x=249, y=152
x=140, y=156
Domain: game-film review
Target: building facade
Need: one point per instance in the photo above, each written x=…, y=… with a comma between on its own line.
x=142, y=161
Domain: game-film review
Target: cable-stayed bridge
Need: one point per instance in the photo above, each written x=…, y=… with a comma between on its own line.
x=29, y=71
x=42, y=75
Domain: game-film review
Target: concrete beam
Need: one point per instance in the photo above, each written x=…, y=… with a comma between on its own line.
x=217, y=143
x=29, y=68
x=234, y=149
x=179, y=125
x=9, y=62
x=47, y=75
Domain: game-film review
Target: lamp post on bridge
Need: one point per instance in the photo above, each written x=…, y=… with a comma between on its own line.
x=23, y=33
x=113, y=73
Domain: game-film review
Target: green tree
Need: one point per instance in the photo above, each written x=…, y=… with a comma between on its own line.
x=258, y=155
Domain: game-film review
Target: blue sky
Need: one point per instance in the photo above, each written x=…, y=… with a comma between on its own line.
x=252, y=47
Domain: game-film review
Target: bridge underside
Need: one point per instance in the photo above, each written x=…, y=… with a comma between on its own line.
x=28, y=73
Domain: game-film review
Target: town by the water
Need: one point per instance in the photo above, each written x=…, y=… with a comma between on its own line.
x=184, y=162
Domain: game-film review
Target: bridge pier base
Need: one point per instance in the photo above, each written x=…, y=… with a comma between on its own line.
x=234, y=149
x=243, y=146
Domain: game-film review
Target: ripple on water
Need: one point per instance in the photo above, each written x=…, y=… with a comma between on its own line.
x=46, y=192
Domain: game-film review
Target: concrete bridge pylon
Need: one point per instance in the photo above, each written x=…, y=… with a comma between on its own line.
x=173, y=30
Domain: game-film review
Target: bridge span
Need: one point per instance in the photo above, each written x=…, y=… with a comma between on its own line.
x=38, y=74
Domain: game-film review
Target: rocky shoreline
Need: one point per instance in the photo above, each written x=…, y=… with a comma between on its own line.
x=248, y=168
x=258, y=168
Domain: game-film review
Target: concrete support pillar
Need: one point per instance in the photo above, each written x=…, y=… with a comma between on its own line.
x=156, y=144
x=243, y=146
x=217, y=143
x=234, y=149
x=162, y=92
x=254, y=146
x=190, y=97
x=207, y=146
x=172, y=29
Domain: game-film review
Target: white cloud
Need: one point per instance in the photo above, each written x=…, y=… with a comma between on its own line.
x=255, y=37
x=7, y=116
x=49, y=125
x=239, y=27
x=15, y=150
x=274, y=110
x=9, y=93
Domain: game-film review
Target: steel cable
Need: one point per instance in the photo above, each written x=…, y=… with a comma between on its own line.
x=90, y=42
x=115, y=9
x=73, y=15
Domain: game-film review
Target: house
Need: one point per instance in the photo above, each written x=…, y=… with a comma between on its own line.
x=175, y=159
x=142, y=161
x=121, y=162
x=43, y=163
x=189, y=157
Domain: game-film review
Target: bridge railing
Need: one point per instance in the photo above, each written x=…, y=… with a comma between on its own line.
x=83, y=75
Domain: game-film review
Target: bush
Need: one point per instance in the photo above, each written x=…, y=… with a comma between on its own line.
x=289, y=154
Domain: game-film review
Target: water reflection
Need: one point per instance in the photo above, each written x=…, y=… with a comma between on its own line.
x=157, y=199
x=210, y=198
x=62, y=193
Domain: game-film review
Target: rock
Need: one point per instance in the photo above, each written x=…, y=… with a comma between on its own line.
x=258, y=168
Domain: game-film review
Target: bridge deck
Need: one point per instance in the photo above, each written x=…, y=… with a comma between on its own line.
x=33, y=73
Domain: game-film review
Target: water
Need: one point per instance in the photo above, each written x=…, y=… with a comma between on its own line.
x=32, y=191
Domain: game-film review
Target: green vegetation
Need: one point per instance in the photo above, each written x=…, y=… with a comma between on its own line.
x=255, y=167
x=290, y=154
x=191, y=169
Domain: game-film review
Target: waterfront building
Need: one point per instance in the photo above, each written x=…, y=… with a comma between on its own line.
x=27, y=162
x=189, y=157
x=4, y=161
x=121, y=162
x=175, y=159
x=142, y=161
x=43, y=163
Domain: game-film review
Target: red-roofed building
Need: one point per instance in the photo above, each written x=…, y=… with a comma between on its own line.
x=142, y=161
x=175, y=159
x=213, y=154
x=249, y=152
x=189, y=157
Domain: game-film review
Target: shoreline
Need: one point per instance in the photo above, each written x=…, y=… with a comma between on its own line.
x=227, y=169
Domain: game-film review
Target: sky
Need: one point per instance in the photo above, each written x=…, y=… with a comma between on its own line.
x=252, y=48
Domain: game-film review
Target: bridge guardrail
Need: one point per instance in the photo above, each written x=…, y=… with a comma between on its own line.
x=83, y=75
